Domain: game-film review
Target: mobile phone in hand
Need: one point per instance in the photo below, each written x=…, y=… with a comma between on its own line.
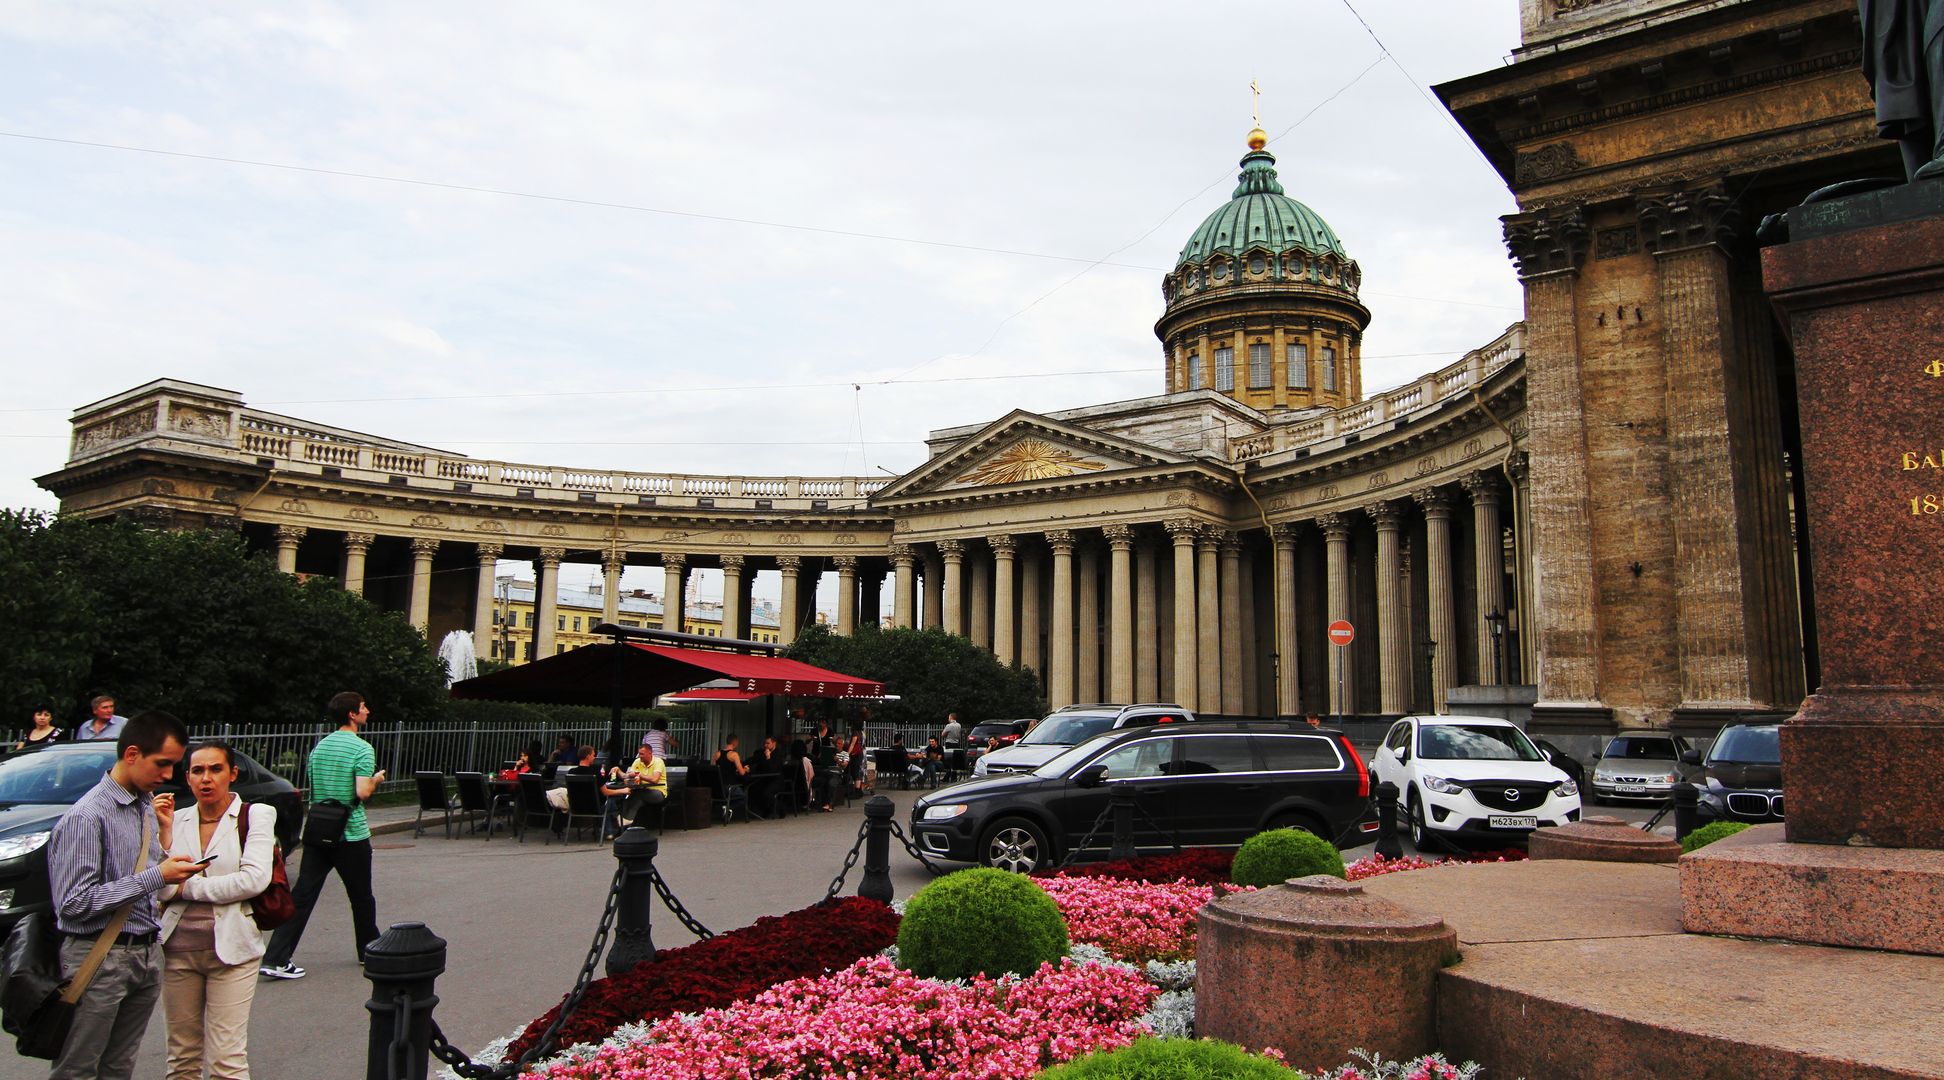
x=205, y=860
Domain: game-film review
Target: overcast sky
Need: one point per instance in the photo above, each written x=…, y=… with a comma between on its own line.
x=961, y=211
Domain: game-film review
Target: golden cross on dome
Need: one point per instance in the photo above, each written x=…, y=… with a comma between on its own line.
x=1255, y=105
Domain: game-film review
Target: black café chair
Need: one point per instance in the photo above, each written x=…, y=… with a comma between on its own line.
x=534, y=807
x=725, y=798
x=431, y=796
x=955, y=765
x=777, y=788
x=893, y=764
x=476, y=796
x=585, y=803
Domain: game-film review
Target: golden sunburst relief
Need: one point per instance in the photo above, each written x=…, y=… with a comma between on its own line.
x=1029, y=459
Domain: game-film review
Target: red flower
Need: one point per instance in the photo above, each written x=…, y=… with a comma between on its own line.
x=1203, y=866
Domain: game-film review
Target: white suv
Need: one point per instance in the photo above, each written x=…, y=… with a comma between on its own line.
x=1473, y=777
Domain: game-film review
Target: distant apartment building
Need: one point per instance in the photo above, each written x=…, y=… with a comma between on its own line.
x=579, y=612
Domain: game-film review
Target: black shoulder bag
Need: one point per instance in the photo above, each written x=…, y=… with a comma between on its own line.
x=326, y=821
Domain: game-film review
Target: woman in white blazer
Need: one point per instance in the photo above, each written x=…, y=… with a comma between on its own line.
x=210, y=944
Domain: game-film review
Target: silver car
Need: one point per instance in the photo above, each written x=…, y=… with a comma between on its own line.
x=1640, y=765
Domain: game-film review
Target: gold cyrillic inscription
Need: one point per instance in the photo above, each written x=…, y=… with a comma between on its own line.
x=1926, y=505
x=1935, y=369
x=1923, y=459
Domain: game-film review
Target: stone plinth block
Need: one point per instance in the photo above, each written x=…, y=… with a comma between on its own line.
x=1755, y=884
x=1601, y=839
x=1316, y=968
x=1861, y=294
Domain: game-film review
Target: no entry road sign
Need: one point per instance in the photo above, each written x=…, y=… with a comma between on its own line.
x=1342, y=633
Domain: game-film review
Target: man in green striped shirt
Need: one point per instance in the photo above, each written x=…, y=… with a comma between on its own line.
x=344, y=769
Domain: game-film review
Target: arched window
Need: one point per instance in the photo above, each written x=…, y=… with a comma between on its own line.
x=1225, y=369
x=1298, y=361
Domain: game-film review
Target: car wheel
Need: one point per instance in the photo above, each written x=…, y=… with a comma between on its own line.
x=1015, y=845
x=1417, y=821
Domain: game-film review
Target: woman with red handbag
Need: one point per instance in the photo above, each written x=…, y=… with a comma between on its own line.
x=210, y=943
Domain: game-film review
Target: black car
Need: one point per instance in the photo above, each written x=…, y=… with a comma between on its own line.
x=1742, y=775
x=1208, y=784
x=38, y=786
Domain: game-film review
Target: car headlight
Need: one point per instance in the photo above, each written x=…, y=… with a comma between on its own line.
x=1670, y=778
x=1566, y=787
x=6, y=899
x=943, y=812
x=14, y=847
x=1442, y=786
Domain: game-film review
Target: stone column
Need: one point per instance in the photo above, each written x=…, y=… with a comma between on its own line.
x=1032, y=621
x=288, y=537
x=1146, y=629
x=1289, y=699
x=1246, y=617
x=1208, y=621
x=870, y=599
x=1490, y=549
x=953, y=552
x=1186, y=686
x=1342, y=673
x=1059, y=644
x=1393, y=633
x=482, y=628
x=1443, y=620
x=846, y=594
x=1120, y=612
x=674, y=567
x=419, y=612
x=979, y=599
x=1549, y=247
x=934, y=591
x=546, y=600
x=356, y=546
x=1519, y=467
x=787, y=568
x=1087, y=666
x=611, y=566
x=902, y=580
x=1230, y=621
x=732, y=575
x=1004, y=642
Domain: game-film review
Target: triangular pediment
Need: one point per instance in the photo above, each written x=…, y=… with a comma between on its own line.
x=1024, y=449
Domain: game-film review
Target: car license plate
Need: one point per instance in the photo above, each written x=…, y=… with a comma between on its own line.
x=1630, y=789
x=1506, y=821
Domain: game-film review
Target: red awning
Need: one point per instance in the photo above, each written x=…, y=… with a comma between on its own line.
x=710, y=693
x=635, y=675
x=769, y=674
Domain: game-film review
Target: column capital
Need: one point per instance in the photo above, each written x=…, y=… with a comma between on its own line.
x=613, y=561
x=425, y=545
x=1334, y=526
x=1183, y=530
x=1386, y=515
x=1003, y=545
x=902, y=555
x=1119, y=537
x=551, y=556
x=1230, y=541
x=1483, y=486
x=674, y=560
x=1288, y=533
x=1435, y=502
x=1061, y=540
x=952, y=550
x=846, y=564
x=790, y=564
x=1547, y=241
x=291, y=534
x=732, y=564
x=359, y=541
x=1520, y=464
x=487, y=552
x=1675, y=219
x=1209, y=537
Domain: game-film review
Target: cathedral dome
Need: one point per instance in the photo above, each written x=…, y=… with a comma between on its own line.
x=1259, y=215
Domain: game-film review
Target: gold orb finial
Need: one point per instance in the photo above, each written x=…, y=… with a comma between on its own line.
x=1258, y=139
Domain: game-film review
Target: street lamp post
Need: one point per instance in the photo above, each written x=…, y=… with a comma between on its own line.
x=1495, y=620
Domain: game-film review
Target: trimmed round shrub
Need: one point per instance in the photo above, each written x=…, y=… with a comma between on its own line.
x=981, y=921
x=1709, y=833
x=1173, y=1059
x=1272, y=857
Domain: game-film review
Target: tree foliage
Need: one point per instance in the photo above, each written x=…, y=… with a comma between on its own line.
x=191, y=622
x=931, y=671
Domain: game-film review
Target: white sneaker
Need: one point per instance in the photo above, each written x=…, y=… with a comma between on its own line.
x=285, y=971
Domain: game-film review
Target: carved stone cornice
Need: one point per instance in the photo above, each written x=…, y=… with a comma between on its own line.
x=1386, y=515
x=846, y=564
x=427, y=546
x=1119, y=537
x=1547, y=241
x=1003, y=545
x=551, y=556
x=291, y=534
x=363, y=541
x=790, y=564
x=1483, y=486
x=1680, y=218
x=1061, y=540
x=1435, y=502
x=1335, y=526
x=674, y=560
x=952, y=550
x=732, y=564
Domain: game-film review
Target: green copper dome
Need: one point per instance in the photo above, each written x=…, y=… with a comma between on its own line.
x=1260, y=215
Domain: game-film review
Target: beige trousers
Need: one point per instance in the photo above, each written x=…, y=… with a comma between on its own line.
x=207, y=1003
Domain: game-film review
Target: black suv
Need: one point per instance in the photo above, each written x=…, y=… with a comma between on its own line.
x=1208, y=784
x=1742, y=775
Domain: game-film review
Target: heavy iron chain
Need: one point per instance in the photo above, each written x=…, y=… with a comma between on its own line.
x=914, y=851
x=465, y=1066
x=850, y=860
x=398, y=1056
x=681, y=913
x=1073, y=853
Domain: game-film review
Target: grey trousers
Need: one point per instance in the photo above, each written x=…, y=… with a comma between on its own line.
x=112, y=1014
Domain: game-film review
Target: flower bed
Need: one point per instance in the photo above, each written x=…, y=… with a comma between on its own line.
x=729, y=967
x=1203, y=866
x=873, y=1020
x=1136, y=921
x=1376, y=865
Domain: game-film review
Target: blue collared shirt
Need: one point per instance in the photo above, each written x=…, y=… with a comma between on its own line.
x=85, y=731
x=91, y=862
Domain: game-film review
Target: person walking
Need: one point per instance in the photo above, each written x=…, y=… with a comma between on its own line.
x=210, y=943
x=103, y=722
x=343, y=769
x=43, y=732
x=658, y=737
x=105, y=865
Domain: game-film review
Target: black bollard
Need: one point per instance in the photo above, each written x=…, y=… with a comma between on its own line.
x=876, y=883
x=1123, y=823
x=633, y=941
x=1388, y=845
x=1687, y=809
x=406, y=960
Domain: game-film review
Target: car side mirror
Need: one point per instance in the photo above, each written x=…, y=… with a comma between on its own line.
x=1091, y=776
x=1404, y=754
x=1691, y=757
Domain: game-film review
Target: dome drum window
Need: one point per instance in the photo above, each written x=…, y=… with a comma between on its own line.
x=1259, y=366
x=1298, y=363
x=1194, y=371
x=1329, y=368
x=1225, y=369
x=1257, y=265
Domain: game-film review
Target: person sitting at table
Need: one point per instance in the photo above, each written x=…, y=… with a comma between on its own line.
x=647, y=781
x=765, y=775
x=934, y=757
x=729, y=760
x=557, y=794
x=565, y=754
x=903, y=759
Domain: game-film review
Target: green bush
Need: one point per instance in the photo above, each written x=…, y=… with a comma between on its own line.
x=1173, y=1059
x=980, y=921
x=1709, y=833
x=1268, y=858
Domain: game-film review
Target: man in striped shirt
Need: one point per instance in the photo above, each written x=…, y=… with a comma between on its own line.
x=91, y=860
x=343, y=768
